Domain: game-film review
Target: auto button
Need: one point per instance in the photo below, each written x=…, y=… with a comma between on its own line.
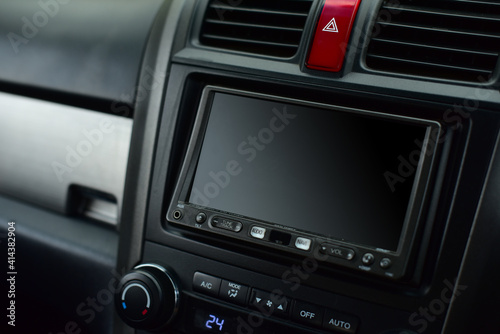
x=340, y=322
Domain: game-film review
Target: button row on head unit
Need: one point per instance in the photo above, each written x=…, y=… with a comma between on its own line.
x=270, y=304
x=279, y=237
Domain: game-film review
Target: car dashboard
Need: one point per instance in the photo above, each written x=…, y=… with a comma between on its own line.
x=250, y=166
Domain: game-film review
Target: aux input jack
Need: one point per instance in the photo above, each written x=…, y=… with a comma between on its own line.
x=177, y=214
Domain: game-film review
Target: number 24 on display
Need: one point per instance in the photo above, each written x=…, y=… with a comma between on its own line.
x=214, y=320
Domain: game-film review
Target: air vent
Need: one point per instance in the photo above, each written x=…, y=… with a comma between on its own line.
x=267, y=27
x=448, y=39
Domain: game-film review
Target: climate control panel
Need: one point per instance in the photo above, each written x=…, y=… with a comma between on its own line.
x=275, y=304
x=198, y=295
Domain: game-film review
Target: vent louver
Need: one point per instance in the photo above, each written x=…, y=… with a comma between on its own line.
x=448, y=39
x=267, y=27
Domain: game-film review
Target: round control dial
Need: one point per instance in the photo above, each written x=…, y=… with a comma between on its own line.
x=136, y=301
x=147, y=297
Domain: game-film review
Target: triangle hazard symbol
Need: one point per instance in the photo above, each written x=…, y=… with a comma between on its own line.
x=331, y=26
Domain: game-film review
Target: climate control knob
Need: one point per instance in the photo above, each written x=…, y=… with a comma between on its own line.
x=147, y=297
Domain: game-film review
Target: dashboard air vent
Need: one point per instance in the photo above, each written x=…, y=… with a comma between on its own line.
x=267, y=27
x=448, y=39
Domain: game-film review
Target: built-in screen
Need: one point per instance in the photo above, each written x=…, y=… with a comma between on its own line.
x=341, y=174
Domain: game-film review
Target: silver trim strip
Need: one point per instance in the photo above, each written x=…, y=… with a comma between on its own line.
x=148, y=302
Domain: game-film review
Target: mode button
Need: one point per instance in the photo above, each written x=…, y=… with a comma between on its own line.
x=233, y=292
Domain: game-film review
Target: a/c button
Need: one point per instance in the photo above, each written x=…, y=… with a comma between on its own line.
x=206, y=284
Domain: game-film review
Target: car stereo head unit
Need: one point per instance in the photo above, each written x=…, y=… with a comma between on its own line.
x=342, y=184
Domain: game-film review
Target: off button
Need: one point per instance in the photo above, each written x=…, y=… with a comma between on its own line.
x=307, y=314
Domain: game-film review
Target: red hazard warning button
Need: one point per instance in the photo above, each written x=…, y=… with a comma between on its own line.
x=332, y=35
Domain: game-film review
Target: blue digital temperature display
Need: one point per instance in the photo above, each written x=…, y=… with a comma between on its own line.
x=214, y=322
x=206, y=321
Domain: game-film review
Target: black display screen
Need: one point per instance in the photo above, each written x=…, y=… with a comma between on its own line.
x=341, y=174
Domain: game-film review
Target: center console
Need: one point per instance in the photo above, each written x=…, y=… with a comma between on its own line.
x=277, y=197
x=284, y=209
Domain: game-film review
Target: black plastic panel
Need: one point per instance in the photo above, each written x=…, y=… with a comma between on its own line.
x=372, y=318
x=65, y=271
x=480, y=274
x=452, y=207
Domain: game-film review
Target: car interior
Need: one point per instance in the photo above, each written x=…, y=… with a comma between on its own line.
x=250, y=166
